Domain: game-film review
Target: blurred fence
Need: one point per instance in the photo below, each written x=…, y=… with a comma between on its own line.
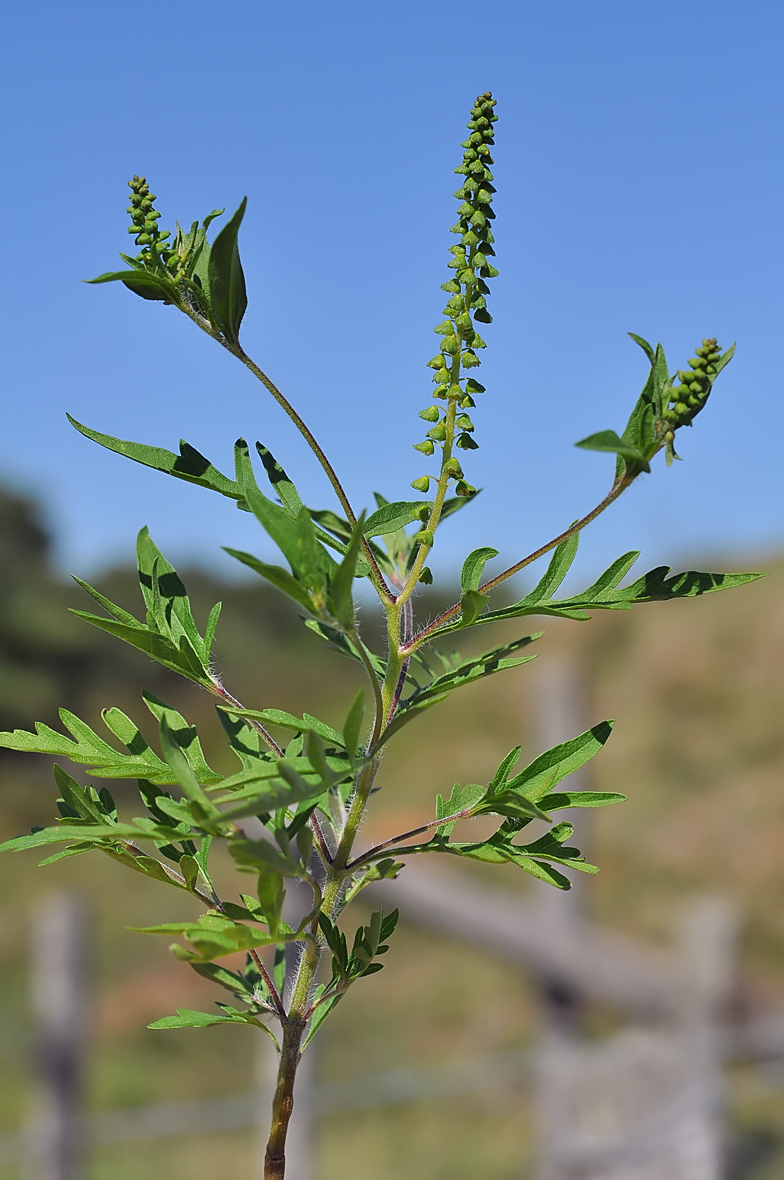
x=642, y=1104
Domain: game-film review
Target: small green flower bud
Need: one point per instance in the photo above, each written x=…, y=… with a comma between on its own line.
x=474, y=386
x=452, y=467
x=426, y=577
x=450, y=345
x=466, y=443
x=422, y=484
x=430, y=414
x=454, y=391
x=464, y=489
x=444, y=329
x=436, y=362
x=426, y=447
x=463, y=422
x=425, y=537
x=467, y=402
x=438, y=433
x=464, y=321
x=469, y=360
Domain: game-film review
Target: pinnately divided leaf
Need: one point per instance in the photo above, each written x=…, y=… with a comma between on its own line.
x=605, y=594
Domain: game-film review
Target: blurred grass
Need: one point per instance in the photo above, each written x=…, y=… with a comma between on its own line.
x=698, y=693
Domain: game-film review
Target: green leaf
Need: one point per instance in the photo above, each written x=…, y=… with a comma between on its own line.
x=320, y=1015
x=461, y=799
x=580, y=799
x=86, y=832
x=172, y=752
x=608, y=440
x=471, y=606
x=233, y=982
x=474, y=564
x=170, y=634
x=352, y=726
x=288, y=721
x=263, y=857
x=282, y=485
x=654, y=586
x=271, y=894
x=391, y=517
x=143, y=283
x=543, y=774
x=244, y=741
x=189, y=465
x=644, y=345
x=213, y=937
x=87, y=749
x=185, y=736
x=189, y=867
x=342, y=581
x=188, y=1018
x=281, y=579
x=227, y=281
x=559, y=565
x=473, y=669
x=341, y=643
x=78, y=798
x=455, y=503
x=310, y=563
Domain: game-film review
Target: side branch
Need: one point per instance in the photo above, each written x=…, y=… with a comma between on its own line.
x=386, y=844
x=615, y=491
x=273, y=991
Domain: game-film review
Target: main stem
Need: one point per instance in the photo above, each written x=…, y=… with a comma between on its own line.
x=283, y=1102
x=293, y=1028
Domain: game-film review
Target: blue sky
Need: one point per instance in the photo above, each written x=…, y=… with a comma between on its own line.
x=639, y=168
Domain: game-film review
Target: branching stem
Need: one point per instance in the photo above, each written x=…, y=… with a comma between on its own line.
x=619, y=486
x=373, y=852
x=273, y=991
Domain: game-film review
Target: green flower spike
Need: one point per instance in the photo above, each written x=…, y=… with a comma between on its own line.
x=690, y=390
x=468, y=288
x=144, y=220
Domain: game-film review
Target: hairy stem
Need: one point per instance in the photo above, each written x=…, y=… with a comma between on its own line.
x=615, y=491
x=355, y=811
x=373, y=852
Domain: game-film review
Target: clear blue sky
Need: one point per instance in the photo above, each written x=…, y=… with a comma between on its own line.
x=639, y=168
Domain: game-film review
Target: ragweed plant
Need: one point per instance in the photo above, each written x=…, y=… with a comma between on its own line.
x=294, y=806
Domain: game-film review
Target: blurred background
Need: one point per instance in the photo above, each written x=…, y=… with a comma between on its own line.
x=639, y=173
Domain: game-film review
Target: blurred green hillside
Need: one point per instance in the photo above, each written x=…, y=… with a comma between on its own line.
x=698, y=692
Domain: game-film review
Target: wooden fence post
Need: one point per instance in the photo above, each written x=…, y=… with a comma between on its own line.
x=59, y=978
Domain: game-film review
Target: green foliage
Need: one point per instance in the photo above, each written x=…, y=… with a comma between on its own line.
x=304, y=784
